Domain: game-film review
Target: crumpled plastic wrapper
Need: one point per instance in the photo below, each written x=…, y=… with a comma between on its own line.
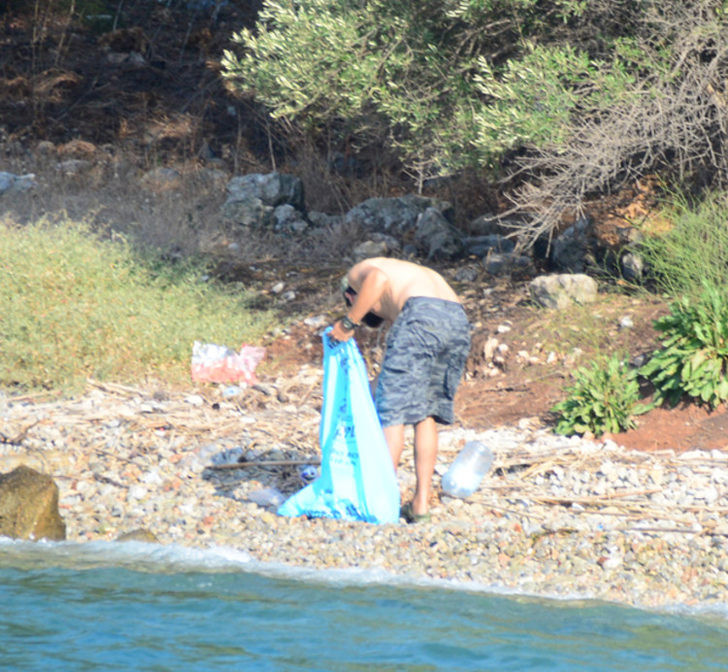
x=212, y=363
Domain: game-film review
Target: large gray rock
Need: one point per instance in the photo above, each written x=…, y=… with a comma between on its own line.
x=29, y=506
x=395, y=216
x=262, y=201
x=482, y=245
x=249, y=212
x=633, y=266
x=272, y=189
x=9, y=182
x=572, y=250
x=502, y=263
x=369, y=249
x=286, y=219
x=563, y=290
x=161, y=179
x=436, y=237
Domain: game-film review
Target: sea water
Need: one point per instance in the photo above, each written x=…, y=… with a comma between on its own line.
x=136, y=606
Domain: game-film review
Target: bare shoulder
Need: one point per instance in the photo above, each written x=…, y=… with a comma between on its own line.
x=362, y=268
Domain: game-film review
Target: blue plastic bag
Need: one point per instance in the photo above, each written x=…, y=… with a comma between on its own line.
x=357, y=480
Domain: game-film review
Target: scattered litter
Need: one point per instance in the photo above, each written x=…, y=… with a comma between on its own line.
x=308, y=473
x=194, y=400
x=214, y=363
x=267, y=497
x=317, y=321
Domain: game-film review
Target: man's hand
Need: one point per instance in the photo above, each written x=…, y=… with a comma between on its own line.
x=338, y=334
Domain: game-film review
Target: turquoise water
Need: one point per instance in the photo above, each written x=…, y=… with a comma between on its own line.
x=139, y=606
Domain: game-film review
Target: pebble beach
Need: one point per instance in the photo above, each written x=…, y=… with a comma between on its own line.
x=555, y=517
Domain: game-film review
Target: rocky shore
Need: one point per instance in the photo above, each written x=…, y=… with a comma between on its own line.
x=563, y=517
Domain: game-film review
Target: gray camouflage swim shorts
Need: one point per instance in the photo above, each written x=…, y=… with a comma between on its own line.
x=426, y=351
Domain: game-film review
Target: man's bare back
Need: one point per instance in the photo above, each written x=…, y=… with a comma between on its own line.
x=383, y=286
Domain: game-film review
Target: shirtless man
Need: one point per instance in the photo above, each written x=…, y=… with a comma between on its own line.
x=427, y=346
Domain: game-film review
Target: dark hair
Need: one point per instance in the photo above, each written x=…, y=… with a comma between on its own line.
x=349, y=291
x=372, y=320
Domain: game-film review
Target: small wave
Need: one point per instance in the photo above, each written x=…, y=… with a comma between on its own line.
x=155, y=558
x=135, y=555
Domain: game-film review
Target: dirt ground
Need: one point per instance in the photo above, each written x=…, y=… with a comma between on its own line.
x=544, y=348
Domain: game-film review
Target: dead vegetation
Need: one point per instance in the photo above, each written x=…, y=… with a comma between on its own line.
x=672, y=121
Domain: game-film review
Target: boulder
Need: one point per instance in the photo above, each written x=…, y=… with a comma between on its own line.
x=250, y=212
x=369, y=249
x=10, y=183
x=562, y=290
x=632, y=266
x=272, y=189
x=162, y=179
x=395, y=216
x=139, y=534
x=263, y=201
x=482, y=245
x=572, y=250
x=436, y=237
x=286, y=219
x=497, y=263
x=29, y=506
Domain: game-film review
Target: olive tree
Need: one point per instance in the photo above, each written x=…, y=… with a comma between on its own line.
x=564, y=98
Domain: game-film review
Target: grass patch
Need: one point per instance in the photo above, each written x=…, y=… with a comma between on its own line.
x=75, y=306
x=695, y=249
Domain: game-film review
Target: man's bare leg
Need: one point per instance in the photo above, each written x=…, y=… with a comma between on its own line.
x=425, y=457
x=394, y=436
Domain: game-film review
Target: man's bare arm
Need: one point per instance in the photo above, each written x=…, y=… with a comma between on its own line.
x=372, y=284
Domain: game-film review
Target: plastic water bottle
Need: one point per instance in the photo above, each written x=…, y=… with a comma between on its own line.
x=467, y=470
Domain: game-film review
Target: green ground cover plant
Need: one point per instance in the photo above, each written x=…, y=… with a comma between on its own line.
x=76, y=306
x=603, y=398
x=688, y=263
x=693, y=359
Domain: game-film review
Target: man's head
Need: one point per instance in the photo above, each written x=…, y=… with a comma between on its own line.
x=370, y=319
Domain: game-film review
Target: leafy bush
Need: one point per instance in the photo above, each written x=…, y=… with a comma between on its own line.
x=532, y=98
x=446, y=84
x=669, y=121
x=603, y=398
x=74, y=306
x=693, y=360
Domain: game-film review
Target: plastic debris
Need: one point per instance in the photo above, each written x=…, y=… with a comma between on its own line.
x=308, y=473
x=266, y=497
x=214, y=363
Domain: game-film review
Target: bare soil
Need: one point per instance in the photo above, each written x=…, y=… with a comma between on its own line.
x=544, y=348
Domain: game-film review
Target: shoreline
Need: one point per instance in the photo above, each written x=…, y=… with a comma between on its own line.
x=557, y=517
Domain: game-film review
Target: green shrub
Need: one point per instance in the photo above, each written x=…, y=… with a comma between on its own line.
x=445, y=84
x=693, y=360
x=74, y=306
x=603, y=398
x=532, y=98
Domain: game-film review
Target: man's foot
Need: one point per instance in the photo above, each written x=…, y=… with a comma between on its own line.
x=410, y=516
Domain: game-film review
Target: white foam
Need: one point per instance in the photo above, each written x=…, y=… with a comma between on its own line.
x=152, y=557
